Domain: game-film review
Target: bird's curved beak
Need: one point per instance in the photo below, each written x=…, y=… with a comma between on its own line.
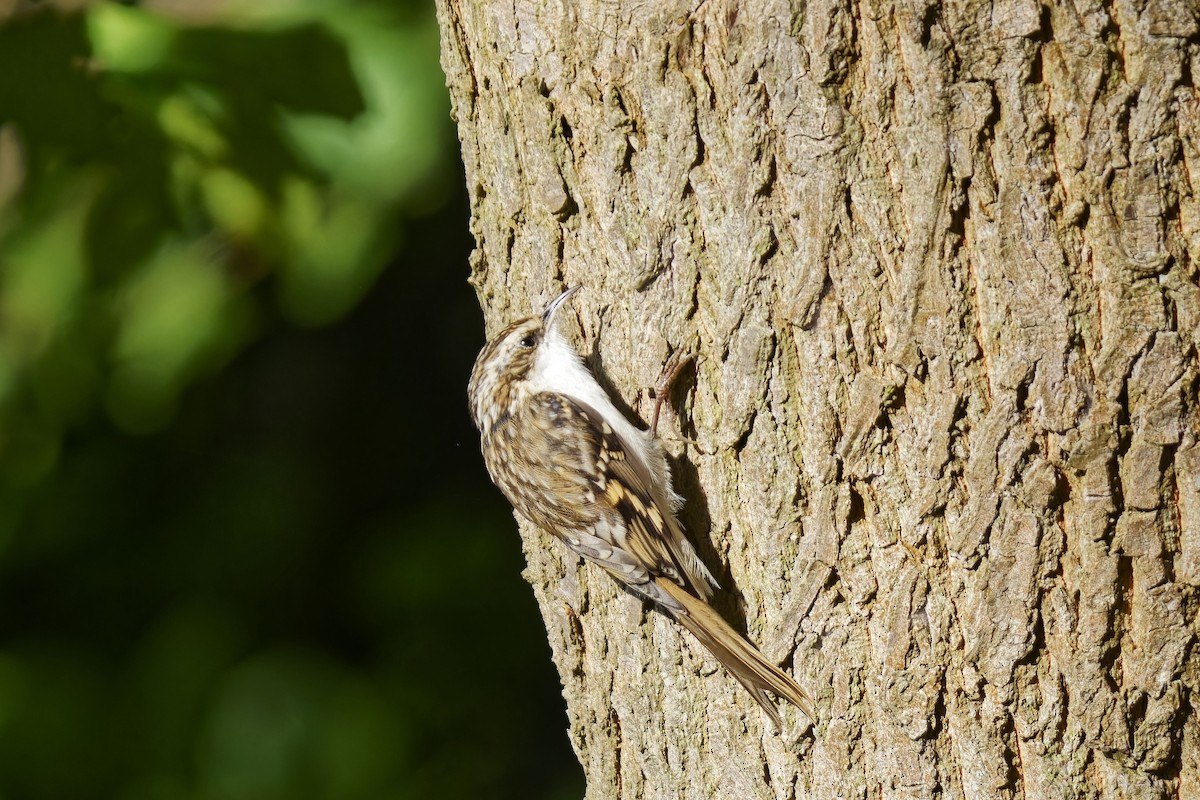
x=548, y=314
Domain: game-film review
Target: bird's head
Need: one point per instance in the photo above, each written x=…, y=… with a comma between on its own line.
x=504, y=365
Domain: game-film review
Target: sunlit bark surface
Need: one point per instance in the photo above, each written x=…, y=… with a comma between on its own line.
x=938, y=263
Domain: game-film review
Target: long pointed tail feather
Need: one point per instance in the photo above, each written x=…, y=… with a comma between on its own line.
x=737, y=655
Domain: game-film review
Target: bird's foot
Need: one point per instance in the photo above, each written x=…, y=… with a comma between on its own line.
x=662, y=390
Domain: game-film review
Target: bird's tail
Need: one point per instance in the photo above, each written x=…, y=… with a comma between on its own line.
x=738, y=656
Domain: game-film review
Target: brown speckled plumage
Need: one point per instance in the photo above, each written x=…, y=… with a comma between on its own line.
x=570, y=463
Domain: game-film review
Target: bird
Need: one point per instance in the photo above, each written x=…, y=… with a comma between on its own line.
x=570, y=462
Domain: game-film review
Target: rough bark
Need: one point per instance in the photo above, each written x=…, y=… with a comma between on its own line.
x=939, y=263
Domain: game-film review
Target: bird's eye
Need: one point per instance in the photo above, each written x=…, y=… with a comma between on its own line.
x=529, y=341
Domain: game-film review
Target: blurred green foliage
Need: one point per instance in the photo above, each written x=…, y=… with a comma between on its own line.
x=247, y=547
x=157, y=171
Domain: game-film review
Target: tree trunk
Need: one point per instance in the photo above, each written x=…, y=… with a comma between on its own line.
x=939, y=266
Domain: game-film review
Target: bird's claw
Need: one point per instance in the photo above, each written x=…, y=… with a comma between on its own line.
x=662, y=390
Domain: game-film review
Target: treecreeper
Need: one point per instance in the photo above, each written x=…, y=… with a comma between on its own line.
x=572, y=464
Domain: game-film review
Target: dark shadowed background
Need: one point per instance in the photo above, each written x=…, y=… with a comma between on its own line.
x=247, y=545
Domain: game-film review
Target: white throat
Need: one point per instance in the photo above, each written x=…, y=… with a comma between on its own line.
x=558, y=368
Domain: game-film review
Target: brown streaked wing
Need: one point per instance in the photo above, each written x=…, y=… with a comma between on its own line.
x=546, y=462
x=622, y=484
